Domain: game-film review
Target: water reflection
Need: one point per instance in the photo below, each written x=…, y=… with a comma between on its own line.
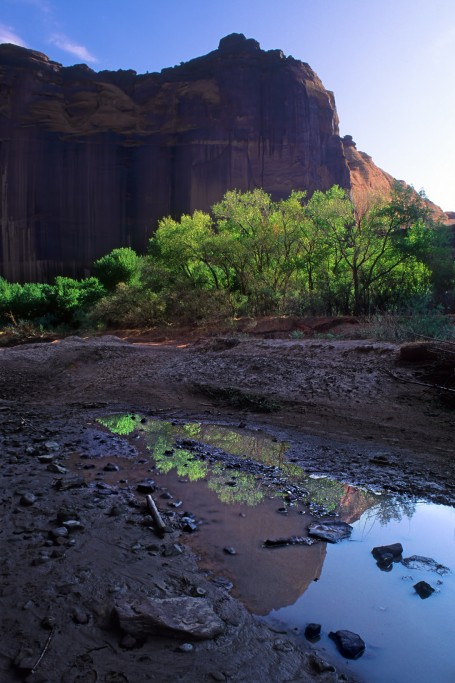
x=237, y=504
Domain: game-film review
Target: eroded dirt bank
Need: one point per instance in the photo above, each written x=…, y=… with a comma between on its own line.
x=375, y=425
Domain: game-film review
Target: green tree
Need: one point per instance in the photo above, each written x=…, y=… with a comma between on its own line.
x=120, y=265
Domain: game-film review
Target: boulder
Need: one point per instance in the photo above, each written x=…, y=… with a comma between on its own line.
x=191, y=617
x=349, y=644
x=333, y=532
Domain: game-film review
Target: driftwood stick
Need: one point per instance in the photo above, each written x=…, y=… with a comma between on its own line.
x=157, y=519
x=43, y=651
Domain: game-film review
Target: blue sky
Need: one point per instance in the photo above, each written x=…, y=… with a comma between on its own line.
x=391, y=63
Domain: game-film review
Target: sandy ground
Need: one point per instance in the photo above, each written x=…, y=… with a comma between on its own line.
x=57, y=593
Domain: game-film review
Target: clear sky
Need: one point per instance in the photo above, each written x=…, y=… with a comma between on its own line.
x=390, y=63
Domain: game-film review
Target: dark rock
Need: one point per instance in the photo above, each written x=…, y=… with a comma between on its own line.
x=71, y=482
x=425, y=563
x=333, y=532
x=111, y=467
x=423, y=589
x=349, y=644
x=312, y=631
x=229, y=550
x=56, y=468
x=27, y=499
x=289, y=540
x=170, y=616
x=185, y=647
x=146, y=486
x=188, y=524
x=128, y=642
x=59, y=532
x=318, y=664
x=80, y=616
x=386, y=555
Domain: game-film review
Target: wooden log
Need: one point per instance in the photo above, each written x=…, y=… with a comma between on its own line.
x=157, y=519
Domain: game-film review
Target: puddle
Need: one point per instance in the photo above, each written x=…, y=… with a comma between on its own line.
x=242, y=490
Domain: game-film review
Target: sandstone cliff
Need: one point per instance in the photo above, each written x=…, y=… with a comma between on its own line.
x=90, y=161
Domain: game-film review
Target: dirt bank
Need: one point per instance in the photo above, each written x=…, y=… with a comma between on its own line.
x=380, y=422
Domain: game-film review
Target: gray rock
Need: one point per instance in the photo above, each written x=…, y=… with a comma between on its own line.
x=28, y=499
x=229, y=550
x=80, y=616
x=169, y=616
x=333, y=532
x=59, y=532
x=185, y=647
x=55, y=467
x=349, y=644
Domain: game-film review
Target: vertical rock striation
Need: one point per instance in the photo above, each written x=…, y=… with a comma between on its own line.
x=91, y=161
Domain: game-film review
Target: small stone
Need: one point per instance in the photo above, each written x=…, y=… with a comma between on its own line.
x=349, y=644
x=175, y=504
x=218, y=676
x=80, y=616
x=111, y=467
x=188, y=524
x=312, y=631
x=28, y=499
x=319, y=665
x=56, y=468
x=52, y=445
x=146, y=486
x=59, y=532
x=185, y=647
x=423, y=589
x=333, y=532
x=48, y=622
x=46, y=458
x=73, y=525
x=229, y=550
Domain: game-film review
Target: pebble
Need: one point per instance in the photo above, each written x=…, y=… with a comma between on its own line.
x=229, y=550
x=111, y=467
x=59, y=532
x=28, y=499
x=185, y=647
x=80, y=616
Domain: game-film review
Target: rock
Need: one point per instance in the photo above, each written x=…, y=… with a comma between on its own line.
x=290, y=540
x=423, y=589
x=71, y=482
x=57, y=468
x=318, y=664
x=59, y=532
x=188, y=524
x=111, y=467
x=312, y=631
x=128, y=642
x=169, y=616
x=146, y=486
x=229, y=550
x=143, y=124
x=185, y=647
x=333, y=532
x=52, y=446
x=425, y=563
x=349, y=644
x=386, y=555
x=80, y=616
x=73, y=525
x=27, y=499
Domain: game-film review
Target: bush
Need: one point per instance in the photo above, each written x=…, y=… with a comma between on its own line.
x=129, y=306
x=120, y=265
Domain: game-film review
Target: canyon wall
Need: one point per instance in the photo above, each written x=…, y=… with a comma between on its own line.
x=91, y=161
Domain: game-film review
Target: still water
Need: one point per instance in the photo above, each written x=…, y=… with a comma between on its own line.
x=338, y=586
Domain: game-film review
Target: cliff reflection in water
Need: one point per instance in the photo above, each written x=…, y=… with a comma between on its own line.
x=238, y=508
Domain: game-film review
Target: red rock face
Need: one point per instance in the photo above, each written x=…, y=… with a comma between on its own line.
x=91, y=161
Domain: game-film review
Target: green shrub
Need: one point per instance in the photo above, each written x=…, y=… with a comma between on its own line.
x=120, y=265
